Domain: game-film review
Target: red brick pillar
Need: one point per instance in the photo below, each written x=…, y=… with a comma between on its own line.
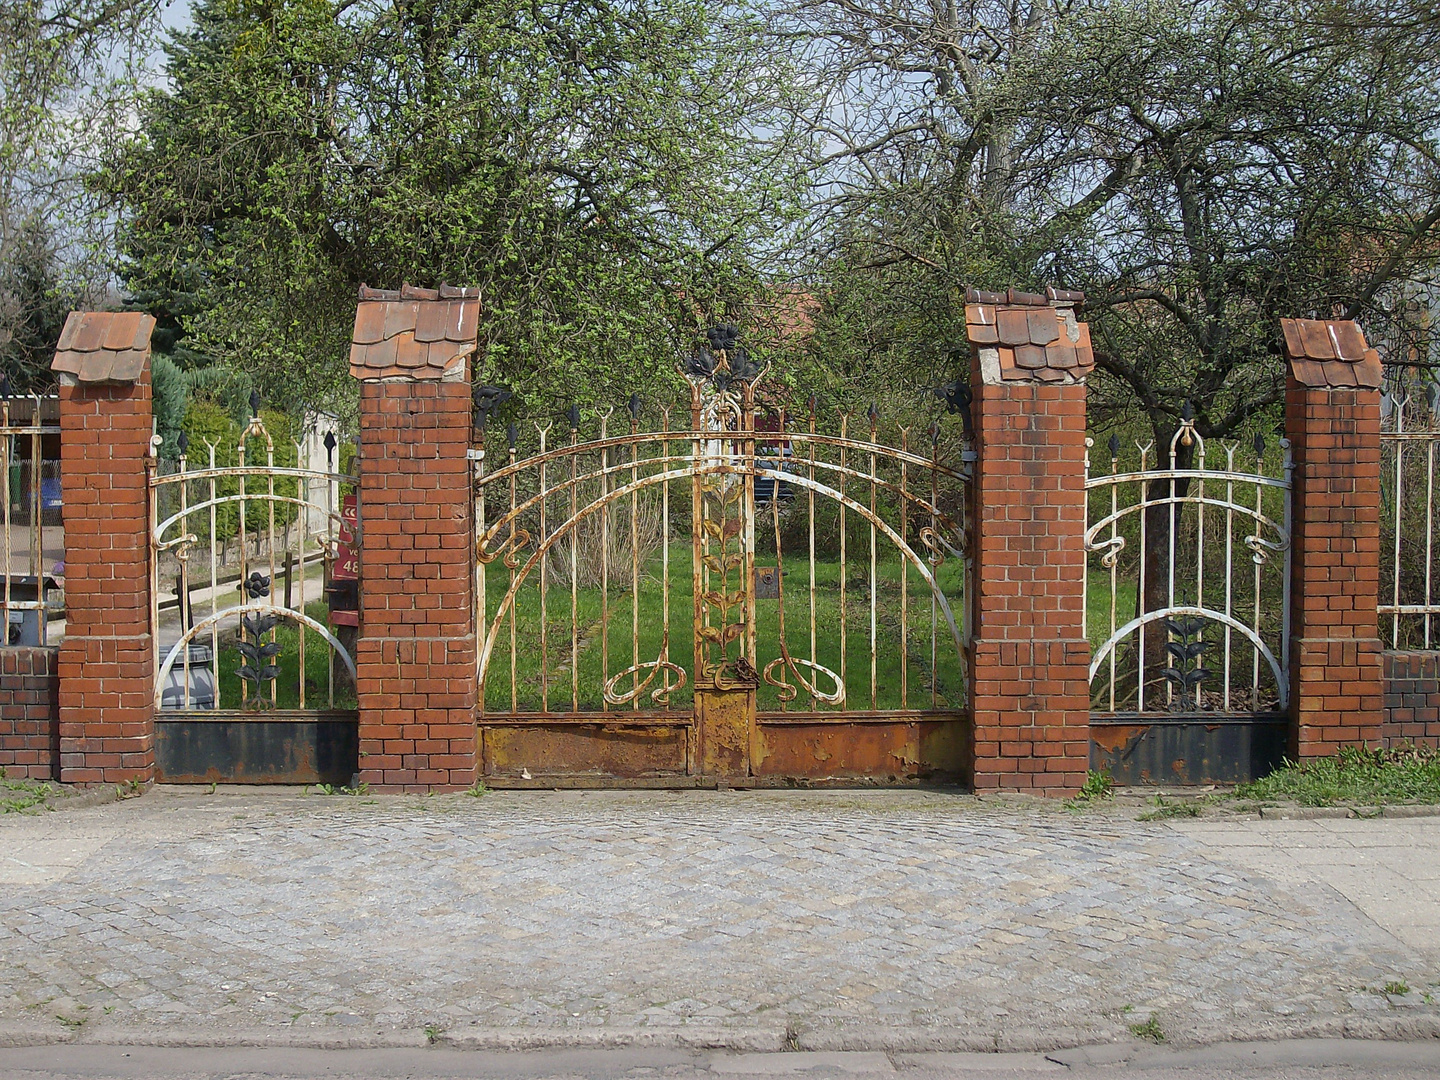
x=107, y=660
x=1029, y=666
x=1332, y=417
x=415, y=658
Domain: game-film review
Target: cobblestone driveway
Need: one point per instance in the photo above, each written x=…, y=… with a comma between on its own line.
x=753, y=920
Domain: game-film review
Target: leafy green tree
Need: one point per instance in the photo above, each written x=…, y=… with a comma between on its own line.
x=597, y=169
x=67, y=72
x=1198, y=169
x=34, y=303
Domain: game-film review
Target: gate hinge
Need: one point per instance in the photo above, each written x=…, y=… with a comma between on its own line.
x=473, y=454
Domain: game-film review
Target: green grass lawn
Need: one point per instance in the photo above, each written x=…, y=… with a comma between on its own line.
x=1354, y=775
x=647, y=618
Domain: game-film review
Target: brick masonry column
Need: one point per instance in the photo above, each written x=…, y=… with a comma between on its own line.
x=1029, y=664
x=106, y=664
x=415, y=658
x=1332, y=418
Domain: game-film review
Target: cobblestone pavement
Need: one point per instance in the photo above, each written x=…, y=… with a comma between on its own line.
x=753, y=920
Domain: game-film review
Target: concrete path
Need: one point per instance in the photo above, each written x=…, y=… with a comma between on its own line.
x=753, y=921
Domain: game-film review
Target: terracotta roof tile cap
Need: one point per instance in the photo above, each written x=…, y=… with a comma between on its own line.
x=104, y=346
x=1015, y=296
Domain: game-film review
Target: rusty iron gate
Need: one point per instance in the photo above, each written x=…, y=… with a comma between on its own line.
x=254, y=677
x=1188, y=609
x=749, y=598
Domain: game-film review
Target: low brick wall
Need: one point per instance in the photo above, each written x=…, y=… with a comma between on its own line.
x=29, y=713
x=1412, y=697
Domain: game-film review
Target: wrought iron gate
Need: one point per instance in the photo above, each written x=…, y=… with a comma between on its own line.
x=639, y=595
x=1188, y=610
x=253, y=680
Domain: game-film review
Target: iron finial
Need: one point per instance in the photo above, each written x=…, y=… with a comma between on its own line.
x=1259, y=444
x=254, y=403
x=934, y=431
x=635, y=407
x=1114, y=445
x=487, y=399
x=812, y=405
x=6, y=389
x=330, y=443
x=512, y=434
x=874, y=414
x=183, y=442
x=572, y=414
x=1187, y=411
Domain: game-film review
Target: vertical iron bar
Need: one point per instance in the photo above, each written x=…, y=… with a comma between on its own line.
x=544, y=585
x=183, y=599
x=604, y=556
x=665, y=548
x=904, y=573
x=844, y=565
x=935, y=566
x=214, y=582
x=1429, y=532
x=634, y=451
x=1399, y=502
x=810, y=496
x=874, y=587
x=574, y=573
x=510, y=549
x=1229, y=565
x=1114, y=569
x=1259, y=568
x=1144, y=485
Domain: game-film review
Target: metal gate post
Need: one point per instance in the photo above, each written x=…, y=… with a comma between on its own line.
x=1030, y=658
x=1332, y=417
x=415, y=658
x=723, y=528
x=107, y=660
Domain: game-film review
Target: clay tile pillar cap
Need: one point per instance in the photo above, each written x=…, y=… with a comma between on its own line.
x=104, y=346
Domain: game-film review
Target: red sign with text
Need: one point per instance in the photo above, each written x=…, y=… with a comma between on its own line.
x=347, y=560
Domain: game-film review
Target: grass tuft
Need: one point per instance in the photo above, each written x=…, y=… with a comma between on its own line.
x=1150, y=1030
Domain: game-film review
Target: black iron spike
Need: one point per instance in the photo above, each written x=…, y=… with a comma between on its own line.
x=813, y=405
x=1114, y=445
x=254, y=403
x=330, y=443
x=634, y=407
x=1259, y=444
x=1187, y=411
x=6, y=388
x=183, y=442
x=874, y=414
x=512, y=434
x=572, y=414
x=934, y=431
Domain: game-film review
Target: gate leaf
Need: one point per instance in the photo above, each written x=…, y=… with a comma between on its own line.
x=265, y=652
x=247, y=673
x=1176, y=650
x=269, y=672
x=247, y=650
x=1194, y=649
x=1197, y=676
x=1174, y=675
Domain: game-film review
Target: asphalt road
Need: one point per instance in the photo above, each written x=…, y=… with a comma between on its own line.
x=1280, y=1060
